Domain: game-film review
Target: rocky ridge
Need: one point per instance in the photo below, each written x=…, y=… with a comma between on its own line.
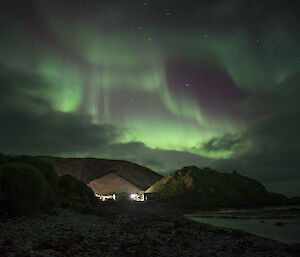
x=194, y=187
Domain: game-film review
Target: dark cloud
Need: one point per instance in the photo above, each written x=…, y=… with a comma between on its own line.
x=269, y=149
x=30, y=126
x=163, y=161
x=53, y=133
x=225, y=143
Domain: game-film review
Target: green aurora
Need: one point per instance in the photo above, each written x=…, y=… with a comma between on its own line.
x=165, y=79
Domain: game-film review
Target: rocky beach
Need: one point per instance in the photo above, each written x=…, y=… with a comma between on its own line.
x=134, y=230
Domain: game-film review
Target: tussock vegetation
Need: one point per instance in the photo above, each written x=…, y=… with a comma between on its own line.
x=74, y=194
x=23, y=189
x=28, y=185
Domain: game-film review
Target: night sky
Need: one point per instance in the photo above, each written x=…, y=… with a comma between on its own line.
x=164, y=84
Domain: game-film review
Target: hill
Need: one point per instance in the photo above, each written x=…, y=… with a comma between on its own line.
x=105, y=176
x=29, y=185
x=194, y=187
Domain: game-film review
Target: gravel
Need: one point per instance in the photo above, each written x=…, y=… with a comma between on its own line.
x=67, y=233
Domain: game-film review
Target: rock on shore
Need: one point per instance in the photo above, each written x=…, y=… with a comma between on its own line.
x=68, y=233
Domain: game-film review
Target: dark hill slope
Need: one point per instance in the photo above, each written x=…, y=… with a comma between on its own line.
x=29, y=185
x=194, y=187
x=90, y=169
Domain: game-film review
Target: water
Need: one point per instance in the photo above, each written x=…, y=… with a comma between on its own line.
x=261, y=222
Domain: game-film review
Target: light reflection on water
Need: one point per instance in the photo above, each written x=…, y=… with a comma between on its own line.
x=261, y=222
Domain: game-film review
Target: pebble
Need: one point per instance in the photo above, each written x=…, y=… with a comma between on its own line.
x=69, y=233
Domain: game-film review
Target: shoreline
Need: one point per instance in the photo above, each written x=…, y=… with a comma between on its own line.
x=279, y=223
x=129, y=230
